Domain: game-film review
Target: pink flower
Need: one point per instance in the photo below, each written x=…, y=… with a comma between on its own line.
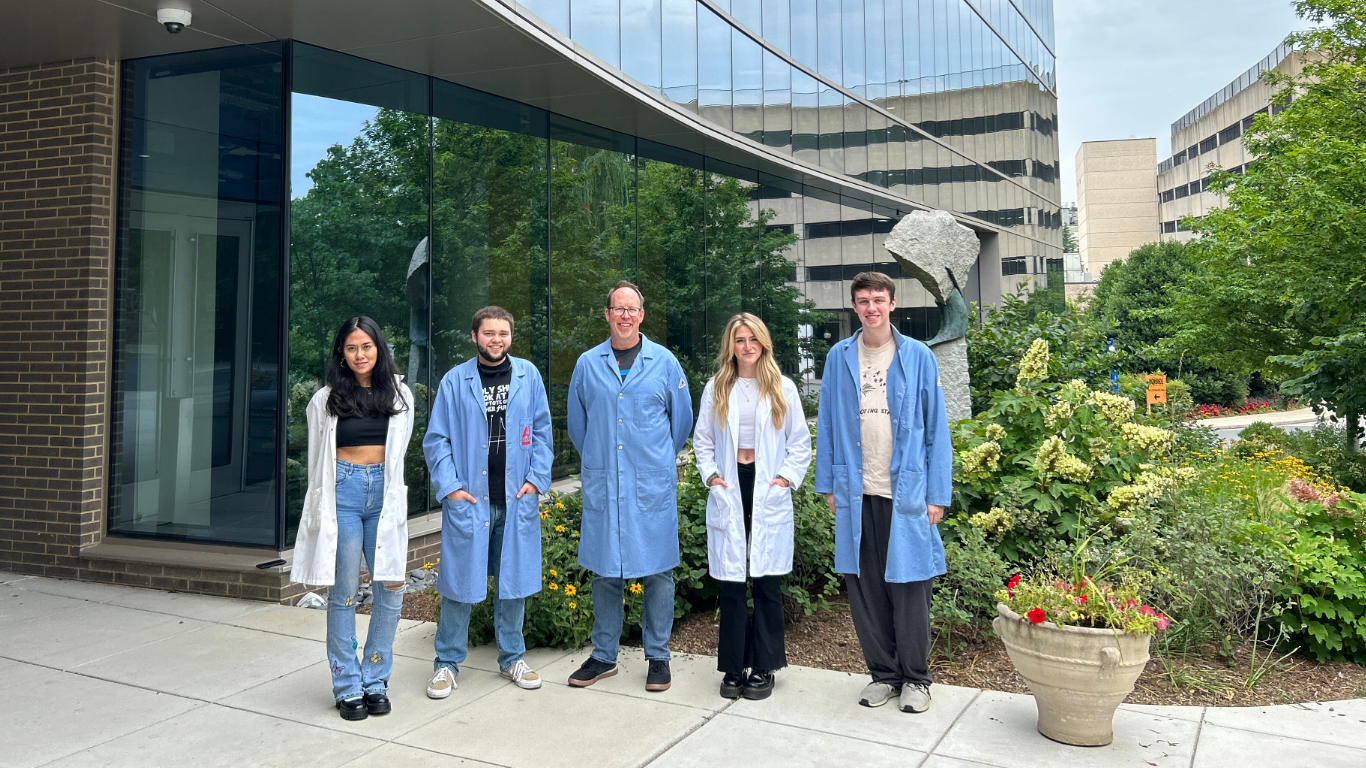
x=1146, y=611
x=1162, y=621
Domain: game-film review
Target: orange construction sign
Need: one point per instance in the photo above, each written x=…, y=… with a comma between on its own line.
x=1157, y=388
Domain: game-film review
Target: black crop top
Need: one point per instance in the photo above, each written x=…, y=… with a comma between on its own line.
x=362, y=430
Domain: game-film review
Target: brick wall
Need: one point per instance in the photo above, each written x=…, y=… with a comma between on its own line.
x=56, y=205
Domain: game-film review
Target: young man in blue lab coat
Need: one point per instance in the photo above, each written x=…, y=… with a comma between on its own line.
x=630, y=413
x=489, y=452
x=884, y=461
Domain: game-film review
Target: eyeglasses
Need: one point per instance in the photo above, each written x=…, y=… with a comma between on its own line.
x=626, y=311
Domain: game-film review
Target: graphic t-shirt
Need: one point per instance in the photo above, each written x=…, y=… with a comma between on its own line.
x=875, y=418
x=627, y=357
x=495, y=381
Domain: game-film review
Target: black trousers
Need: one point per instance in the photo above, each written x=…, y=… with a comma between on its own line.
x=751, y=642
x=892, y=620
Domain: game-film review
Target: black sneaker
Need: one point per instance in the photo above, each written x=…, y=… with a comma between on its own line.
x=592, y=671
x=378, y=704
x=759, y=685
x=659, y=678
x=731, y=685
x=353, y=709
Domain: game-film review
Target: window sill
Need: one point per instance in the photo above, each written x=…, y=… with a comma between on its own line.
x=187, y=555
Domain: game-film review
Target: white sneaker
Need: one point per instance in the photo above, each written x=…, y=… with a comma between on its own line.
x=441, y=684
x=522, y=675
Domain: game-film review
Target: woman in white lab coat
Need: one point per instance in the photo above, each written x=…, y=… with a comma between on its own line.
x=357, y=507
x=752, y=447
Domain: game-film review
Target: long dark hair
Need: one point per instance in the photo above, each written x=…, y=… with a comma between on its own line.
x=348, y=398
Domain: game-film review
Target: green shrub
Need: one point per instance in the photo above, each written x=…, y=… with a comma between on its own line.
x=1044, y=456
x=975, y=573
x=1325, y=580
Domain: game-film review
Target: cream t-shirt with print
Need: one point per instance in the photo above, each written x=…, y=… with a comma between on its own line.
x=875, y=418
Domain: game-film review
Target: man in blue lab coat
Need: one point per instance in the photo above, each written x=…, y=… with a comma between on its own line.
x=630, y=413
x=884, y=461
x=488, y=448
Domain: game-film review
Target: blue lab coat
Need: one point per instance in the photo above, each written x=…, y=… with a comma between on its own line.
x=922, y=457
x=628, y=434
x=456, y=446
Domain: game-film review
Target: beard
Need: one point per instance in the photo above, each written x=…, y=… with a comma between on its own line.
x=489, y=356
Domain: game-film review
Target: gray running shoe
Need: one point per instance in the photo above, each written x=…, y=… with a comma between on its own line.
x=876, y=694
x=915, y=698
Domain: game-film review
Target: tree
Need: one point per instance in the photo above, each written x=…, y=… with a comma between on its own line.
x=1069, y=242
x=1280, y=273
x=1136, y=294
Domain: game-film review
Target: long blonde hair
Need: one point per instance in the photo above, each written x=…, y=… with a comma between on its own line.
x=728, y=369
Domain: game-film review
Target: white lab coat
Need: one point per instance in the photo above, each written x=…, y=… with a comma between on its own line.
x=782, y=452
x=315, y=548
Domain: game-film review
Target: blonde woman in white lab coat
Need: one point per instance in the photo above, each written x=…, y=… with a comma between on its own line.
x=753, y=447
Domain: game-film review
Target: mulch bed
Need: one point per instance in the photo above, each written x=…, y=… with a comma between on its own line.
x=974, y=658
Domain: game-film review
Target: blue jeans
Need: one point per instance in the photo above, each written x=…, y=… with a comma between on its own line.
x=360, y=497
x=656, y=624
x=453, y=627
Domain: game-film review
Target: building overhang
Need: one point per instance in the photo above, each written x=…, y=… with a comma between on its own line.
x=483, y=44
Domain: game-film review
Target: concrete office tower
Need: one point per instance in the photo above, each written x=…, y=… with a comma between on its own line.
x=1116, y=200
x=1211, y=135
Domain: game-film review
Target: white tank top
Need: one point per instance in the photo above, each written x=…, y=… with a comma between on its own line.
x=748, y=391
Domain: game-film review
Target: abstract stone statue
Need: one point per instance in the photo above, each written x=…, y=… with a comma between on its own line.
x=938, y=251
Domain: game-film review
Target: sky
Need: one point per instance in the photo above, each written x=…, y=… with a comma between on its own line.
x=316, y=124
x=1133, y=67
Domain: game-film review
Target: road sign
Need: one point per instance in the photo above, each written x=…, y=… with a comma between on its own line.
x=1157, y=388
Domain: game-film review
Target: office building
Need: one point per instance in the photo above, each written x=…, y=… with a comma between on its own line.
x=1116, y=200
x=186, y=218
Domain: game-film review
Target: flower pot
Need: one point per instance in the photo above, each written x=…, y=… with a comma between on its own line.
x=1078, y=676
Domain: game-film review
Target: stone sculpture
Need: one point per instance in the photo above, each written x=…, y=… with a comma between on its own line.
x=938, y=251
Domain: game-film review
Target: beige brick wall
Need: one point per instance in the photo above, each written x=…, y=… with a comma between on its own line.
x=1116, y=200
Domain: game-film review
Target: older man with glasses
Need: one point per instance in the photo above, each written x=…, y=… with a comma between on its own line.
x=630, y=412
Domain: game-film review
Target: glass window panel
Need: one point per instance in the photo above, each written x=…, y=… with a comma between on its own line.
x=895, y=47
x=855, y=65
x=714, y=67
x=855, y=139
x=642, y=58
x=777, y=102
x=553, y=12
x=679, y=50
x=196, y=372
x=595, y=24
x=749, y=13
x=829, y=42
x=748, y=73
x=489, y=224
x=875, y=50
x=804, y=35
x=777, y=24
x=805, y=118
x=359, y=246
x=831, y=128
x=320, y=72
x=592, y=237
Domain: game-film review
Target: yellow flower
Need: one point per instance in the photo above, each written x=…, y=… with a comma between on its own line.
x=553, y=573
x=544, y=515
x=559, y=505
x=559, y=529
x=553, y=585
x=573, y=605
x=1075, y=616
x=637, y=589
x=428, y=566
x=570, y=590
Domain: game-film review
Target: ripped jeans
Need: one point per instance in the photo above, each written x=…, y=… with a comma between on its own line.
x=360, y=497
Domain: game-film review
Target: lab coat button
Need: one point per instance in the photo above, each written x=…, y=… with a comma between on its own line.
x=486, y=471
x=618, y=447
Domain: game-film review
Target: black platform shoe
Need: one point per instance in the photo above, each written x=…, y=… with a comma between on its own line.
x=759, y=685
x=732, y=684
x=353, y=709
x=378, y=704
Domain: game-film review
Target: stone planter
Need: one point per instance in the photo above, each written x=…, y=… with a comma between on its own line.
x=1078, y=676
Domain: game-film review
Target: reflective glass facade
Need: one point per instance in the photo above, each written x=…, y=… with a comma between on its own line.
x=270, y=192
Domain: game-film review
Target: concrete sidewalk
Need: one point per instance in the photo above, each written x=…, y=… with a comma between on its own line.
x=96, y=675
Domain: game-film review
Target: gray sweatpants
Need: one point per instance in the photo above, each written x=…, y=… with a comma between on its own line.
x=892, y=620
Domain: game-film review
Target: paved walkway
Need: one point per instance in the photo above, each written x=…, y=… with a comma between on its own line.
x=95, y=675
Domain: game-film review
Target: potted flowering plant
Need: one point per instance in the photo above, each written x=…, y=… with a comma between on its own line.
x=1080, y=645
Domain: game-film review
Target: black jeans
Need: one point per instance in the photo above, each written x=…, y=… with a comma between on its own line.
x=892, y=620
x=751, y=642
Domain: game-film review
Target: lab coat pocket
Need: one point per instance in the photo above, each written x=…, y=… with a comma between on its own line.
x=656, y=489
x=309, y=519
x=458, y=517
x=649, y=409
x=720, y=507
x=910, y=493
x=529, y=514
x=841, y=477
x=594, y=485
